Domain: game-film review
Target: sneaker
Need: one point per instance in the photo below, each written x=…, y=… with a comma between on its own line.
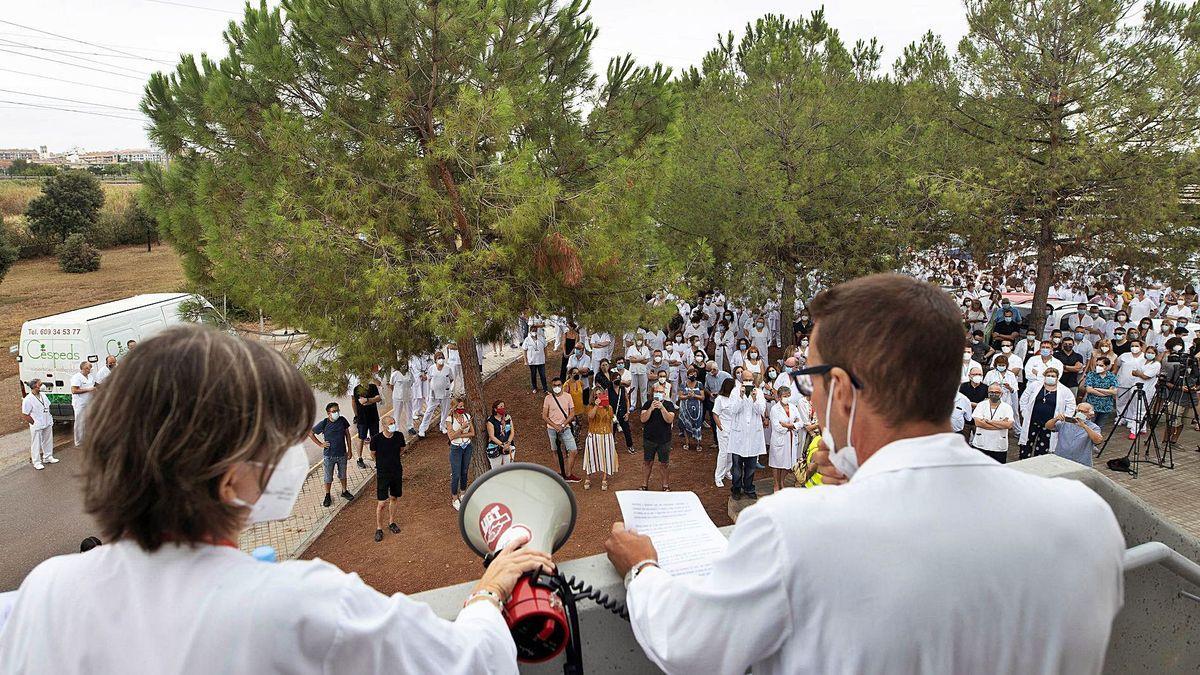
x=456, y=503
x=394, y=528
x=328, y=500
x=361, y=463
x=39, y=466
x=412, y=431
x=378, y=535
x=572, y=478
x=52, y=460
x=347, y=495
x=420, y=434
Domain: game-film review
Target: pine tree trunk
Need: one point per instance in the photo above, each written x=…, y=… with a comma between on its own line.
x=1045, y=271
x=476, y=406
x=787, y=311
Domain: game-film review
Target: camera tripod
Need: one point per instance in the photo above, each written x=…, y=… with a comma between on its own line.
x=1175, y=398
x=1141, y=408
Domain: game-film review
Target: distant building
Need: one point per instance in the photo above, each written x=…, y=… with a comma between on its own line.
x=18, y=153
x=76, y=157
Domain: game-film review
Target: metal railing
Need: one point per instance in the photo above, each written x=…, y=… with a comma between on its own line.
x=1157, y=552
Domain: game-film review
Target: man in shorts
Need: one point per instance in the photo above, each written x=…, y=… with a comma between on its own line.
x=387, y=447
x=657, y=416
x=366, y=414
x=335, y=430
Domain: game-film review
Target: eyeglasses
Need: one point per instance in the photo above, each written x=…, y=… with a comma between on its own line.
x=803, y=377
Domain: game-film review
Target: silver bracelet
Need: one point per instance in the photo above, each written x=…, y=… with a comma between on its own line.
x=484, y=594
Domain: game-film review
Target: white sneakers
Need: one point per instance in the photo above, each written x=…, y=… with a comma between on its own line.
x=49, y=460
x=456, y=503
x=39, y=466
x=52, y=460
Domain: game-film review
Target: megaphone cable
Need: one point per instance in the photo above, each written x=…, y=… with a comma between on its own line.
x=583, y=590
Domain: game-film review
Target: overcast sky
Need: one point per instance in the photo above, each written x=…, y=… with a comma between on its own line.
x=153, y=32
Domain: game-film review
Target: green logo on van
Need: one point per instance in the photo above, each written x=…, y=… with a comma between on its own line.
x=38, y=350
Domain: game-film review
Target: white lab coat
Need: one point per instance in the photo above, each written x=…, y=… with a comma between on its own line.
x=745, y=422
x=1035, y=368
x=926, y=567
x=785, y=443
x=993, y=440
x=1064, y=404
x=214, y=609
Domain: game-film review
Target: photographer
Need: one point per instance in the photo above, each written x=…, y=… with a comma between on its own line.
x=171, y=592
x=1180, y=381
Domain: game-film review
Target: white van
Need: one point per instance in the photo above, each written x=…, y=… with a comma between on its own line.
x=52, y=347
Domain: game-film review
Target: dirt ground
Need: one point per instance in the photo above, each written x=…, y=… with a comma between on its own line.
x=429, y=552
x=37, y=288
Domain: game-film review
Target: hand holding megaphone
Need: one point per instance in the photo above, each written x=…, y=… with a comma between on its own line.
x=501, y=575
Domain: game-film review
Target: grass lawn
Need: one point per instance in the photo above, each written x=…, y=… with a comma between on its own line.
x=36, y=288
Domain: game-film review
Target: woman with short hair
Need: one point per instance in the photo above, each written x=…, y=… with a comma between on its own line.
x=197, y=436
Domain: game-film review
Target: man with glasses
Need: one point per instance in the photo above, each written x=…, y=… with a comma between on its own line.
x=916, y=554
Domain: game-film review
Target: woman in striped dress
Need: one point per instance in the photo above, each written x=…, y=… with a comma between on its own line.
x=599, y=451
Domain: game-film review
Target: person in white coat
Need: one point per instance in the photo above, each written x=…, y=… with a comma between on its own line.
x=35, y=410
x=533, y=349
x=760, y=336
x=723, y=421
x=747, y=441
x=82, y=387
x=441, y=387
x=1039, y=363
x=638, y=356
x=1006, y=379
x=725, y=341
x=1042, y=401
x=401, y=382
x=787, y=436
x=912, y=557
x=1137, y=367
x=172, y=593
x=417, y=365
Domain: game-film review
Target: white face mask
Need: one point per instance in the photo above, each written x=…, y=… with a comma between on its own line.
x=976, y=379
x=334, y=415
x=391, y=428
x=1006, y=349
x=1050, y=380
x=557, y=390
x=844, y=459
x=282, y=489
x=1135, y=350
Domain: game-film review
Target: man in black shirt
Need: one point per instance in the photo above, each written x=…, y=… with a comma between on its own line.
x=1072, y=363
x=386, y=450
x=1006, y=329
x=366, y=414
x=657, y=416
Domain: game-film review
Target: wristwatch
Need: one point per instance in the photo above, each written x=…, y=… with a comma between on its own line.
x=637, y=569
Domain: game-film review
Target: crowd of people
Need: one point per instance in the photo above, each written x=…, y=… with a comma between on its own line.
x=717, y=371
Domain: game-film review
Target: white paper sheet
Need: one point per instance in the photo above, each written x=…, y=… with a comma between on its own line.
x=685, y=537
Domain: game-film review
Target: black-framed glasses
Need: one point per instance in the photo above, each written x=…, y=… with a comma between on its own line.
x=803, y=377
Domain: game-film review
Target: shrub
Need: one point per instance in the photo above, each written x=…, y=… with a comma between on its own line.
x=8, y=252
x=76, y=255
x=70, y=202
x=28, y=244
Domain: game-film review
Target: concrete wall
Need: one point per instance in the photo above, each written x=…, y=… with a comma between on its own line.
x=1157, y=631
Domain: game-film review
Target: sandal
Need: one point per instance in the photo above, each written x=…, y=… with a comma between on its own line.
x=643, y=488
x=604, y=485
x=666, y=488
x=587, y=484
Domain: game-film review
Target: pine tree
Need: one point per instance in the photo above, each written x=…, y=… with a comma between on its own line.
x=1071, y=123
x=390, y=174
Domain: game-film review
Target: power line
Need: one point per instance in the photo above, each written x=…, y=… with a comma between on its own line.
x=19, y=45
x=183, y=4
x=82, y=42
x=27, y=36
x=13, y=43
x=81, y=112
x=69, y=100
x=59, y=79
x=68, y=63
